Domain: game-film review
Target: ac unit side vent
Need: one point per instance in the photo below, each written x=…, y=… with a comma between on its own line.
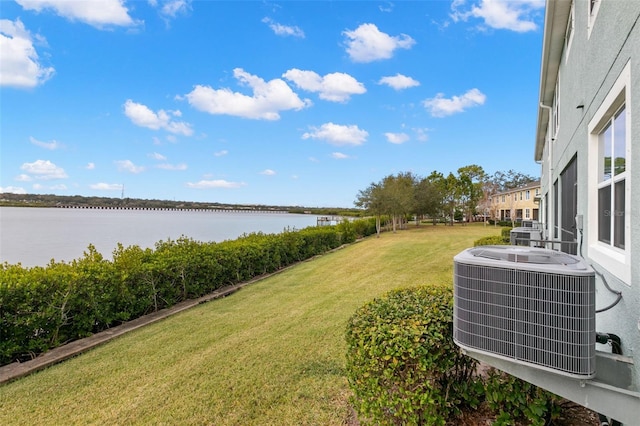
x=545, y=319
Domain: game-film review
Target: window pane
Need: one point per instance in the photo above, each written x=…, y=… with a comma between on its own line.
x=619, y=142
x=618, y=217
x=604, y=214
x=605, y=155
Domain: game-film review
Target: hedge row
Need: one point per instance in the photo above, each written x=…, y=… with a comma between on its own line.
x=45, y=307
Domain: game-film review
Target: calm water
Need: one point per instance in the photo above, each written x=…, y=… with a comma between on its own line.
x=34, y=236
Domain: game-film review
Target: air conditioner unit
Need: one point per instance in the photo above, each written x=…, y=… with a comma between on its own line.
x=523, y=236
x=528, y=305
x=527, y=223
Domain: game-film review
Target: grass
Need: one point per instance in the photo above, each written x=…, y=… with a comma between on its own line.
x=270, y=354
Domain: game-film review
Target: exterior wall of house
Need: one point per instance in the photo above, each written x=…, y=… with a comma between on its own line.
x=598, y=70
x=516, y=203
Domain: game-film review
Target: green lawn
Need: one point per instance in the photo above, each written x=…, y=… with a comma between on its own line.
x=270, y=354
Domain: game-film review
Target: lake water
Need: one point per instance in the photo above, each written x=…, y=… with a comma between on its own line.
x=34, y=236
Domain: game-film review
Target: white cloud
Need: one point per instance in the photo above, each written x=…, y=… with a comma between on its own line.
x=97, y=13
x=128, y=166
x=106, y=186
x=142, y=116
x=268, y=172
x=167, y=166
x=399, y=82
x=336, y=87
x=518, y=16
x=421, y=134
x=337, y=134
x=173, y=8
x=218, y=183
x=23, y=178
x=221, y=153
x=339, y=156
x=157, y=156
x=397, y=138
x=442, y=107
x=19, y=62
x=367, y=43
x=266, y=102
x=53, y=145
x=43, y=170
x=12, y=190
x=283, y=30
x=90, y=166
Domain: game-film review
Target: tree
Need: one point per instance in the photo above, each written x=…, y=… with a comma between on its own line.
x=371, y=200
x=428, y=199
x=510, y=180
x=399, y=196
x=471, y=180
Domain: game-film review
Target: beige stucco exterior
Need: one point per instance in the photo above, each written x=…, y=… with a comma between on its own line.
x=519, y=203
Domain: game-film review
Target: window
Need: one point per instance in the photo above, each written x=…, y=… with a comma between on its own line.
x=568, y=37
x=611, y=180
x=503, y=198
x=555, y=107
x=609, y=192
x=527, y=214
x=594, y=7
x=520, y=195
x=527, y=195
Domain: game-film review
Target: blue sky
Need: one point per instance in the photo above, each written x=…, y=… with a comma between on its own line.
x=281, y=103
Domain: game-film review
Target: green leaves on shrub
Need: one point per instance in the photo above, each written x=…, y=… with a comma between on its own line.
x=489, y=241
x=503, y=239
x=404, y=369
x=402, y=364
x=515, y=400
x=45, y=307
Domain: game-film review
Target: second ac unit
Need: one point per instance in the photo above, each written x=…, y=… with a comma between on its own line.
x=525, y=236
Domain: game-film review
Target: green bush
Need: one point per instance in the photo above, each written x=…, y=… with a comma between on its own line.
x=45, y=307
x=492, y=240
x=514, y=401
x=506, y=232
x=402, y=364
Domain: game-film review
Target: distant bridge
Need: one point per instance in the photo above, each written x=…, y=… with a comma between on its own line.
x=175, y=209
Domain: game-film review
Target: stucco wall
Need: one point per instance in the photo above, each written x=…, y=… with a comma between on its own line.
x=587, y=74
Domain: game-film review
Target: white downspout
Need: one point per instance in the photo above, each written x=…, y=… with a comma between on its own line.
x=551, y=206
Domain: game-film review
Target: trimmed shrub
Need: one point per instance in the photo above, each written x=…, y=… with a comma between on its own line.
x=41, y=308
x=489, y=241
x=515, y=401
x=402, y=364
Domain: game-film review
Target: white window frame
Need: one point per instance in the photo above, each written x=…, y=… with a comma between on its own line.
x=617, y=261
x=571, y=26
x=527, y=213
x=555, y=112
x=592, y=14
x=527, y=195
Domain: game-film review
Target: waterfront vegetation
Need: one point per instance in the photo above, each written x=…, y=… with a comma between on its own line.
x=44, y=307
x=270, y=354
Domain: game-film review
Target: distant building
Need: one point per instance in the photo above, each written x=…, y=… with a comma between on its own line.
x=516, y=204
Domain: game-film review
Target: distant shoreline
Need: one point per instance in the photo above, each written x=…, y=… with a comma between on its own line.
x=76, y=201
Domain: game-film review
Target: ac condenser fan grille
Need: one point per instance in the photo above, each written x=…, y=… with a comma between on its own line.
x=526, y=313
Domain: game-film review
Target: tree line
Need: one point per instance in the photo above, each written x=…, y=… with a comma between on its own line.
x=438, y=197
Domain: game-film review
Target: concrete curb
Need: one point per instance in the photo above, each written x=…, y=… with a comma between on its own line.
x=17, y=370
